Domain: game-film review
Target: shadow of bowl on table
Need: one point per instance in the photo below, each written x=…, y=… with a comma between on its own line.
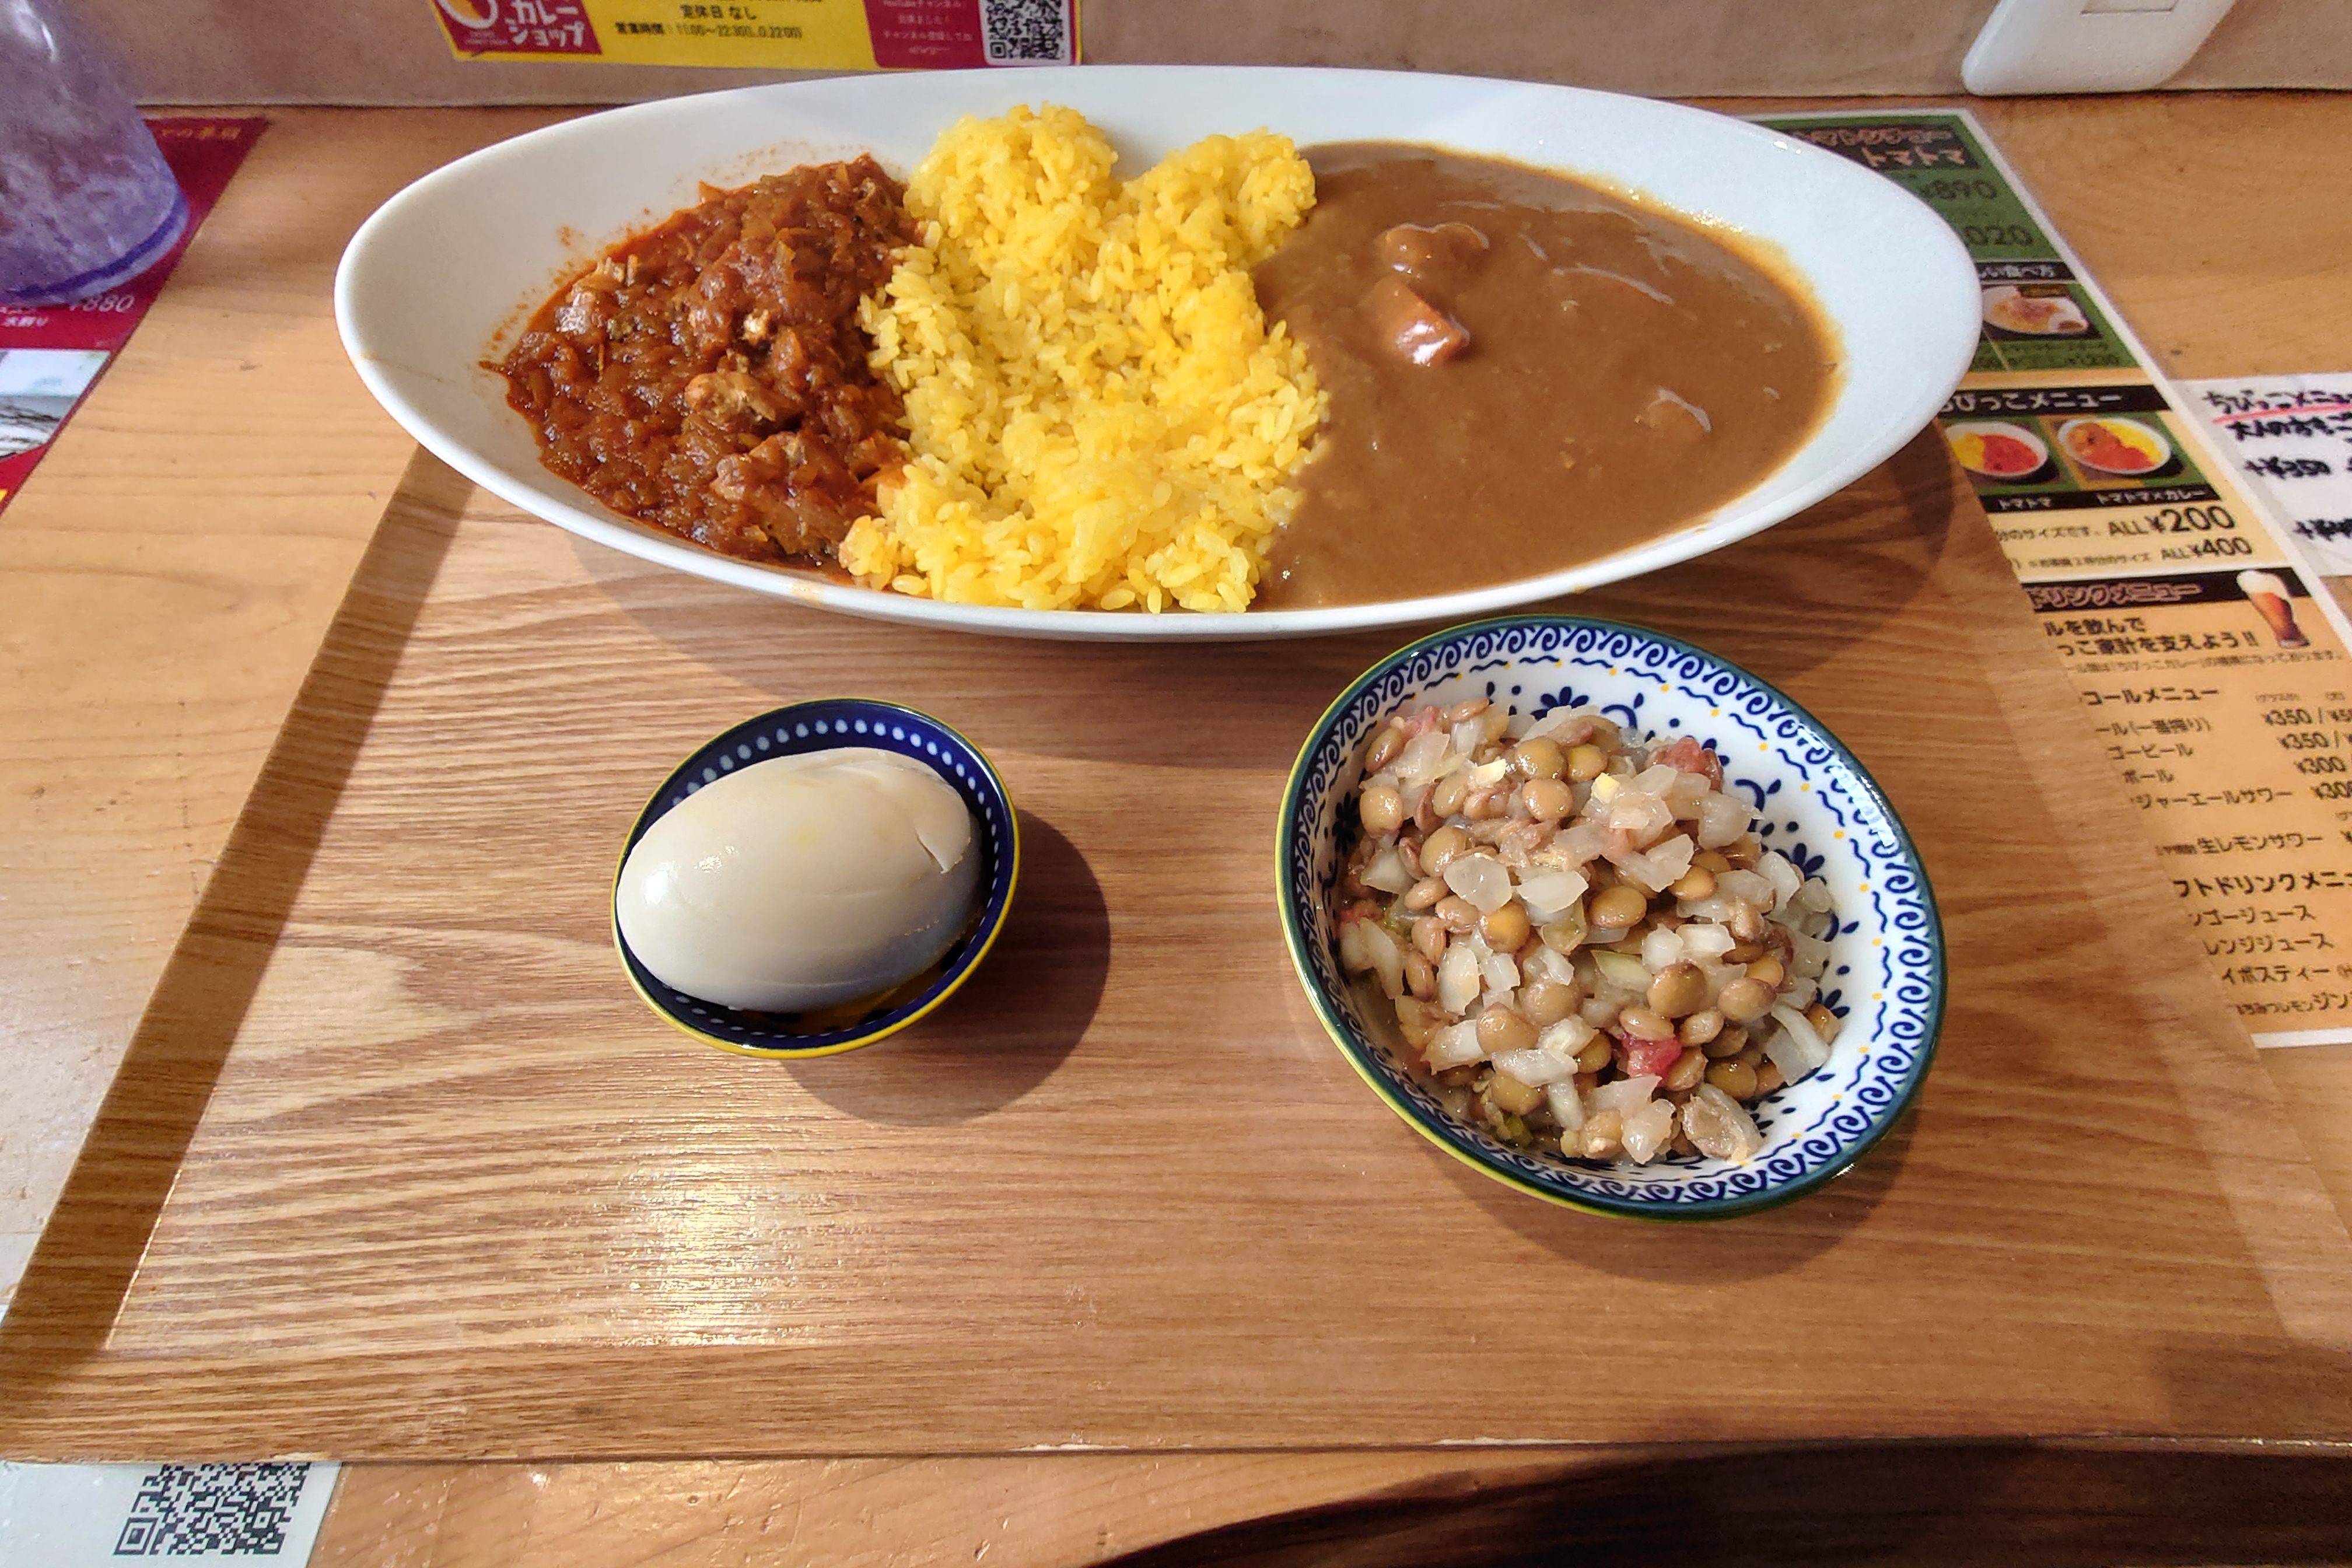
x=1018, y=1017
x=1958, y=1504
x=1699, y=1252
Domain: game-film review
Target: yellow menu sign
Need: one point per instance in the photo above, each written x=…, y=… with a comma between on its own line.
x=785, y=35
x=2207, y=665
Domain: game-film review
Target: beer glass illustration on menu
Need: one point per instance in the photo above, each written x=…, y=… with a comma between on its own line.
x=2268, y=593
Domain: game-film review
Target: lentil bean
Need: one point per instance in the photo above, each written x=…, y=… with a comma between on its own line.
x=1547, y=799
x=1429, y=937
x=1425, y=893
x=1688, y=1069
x=1602, y=1136
x=1467, y=708
x=1682, y=1143
x=1747, y=922
x=1744, y=851
x=1746, y=952
x=1540, y=758
x=1736, y=1078
x=1586, y=763
x=1460, y=915
x=1617, y=908
x=1484, y=806
x=1753, y=1056
x=1730, y=1043
x=1593, y=1057
x=1770, y=971
x=1712, y=861
x=1701, y=1026
x=1384, y=747
x=1382, y=810
x=1644, y=1023
x=1547, y=1002
x=1824, y=1021
x=1420, y=974
x=1500, y=1030
x=1445, y=797
x=1505, y=929
x=1767, y=1077
x=1698, y=882
x=1439, y=849
x=1745, y=1000
x=1513, y=1095
x=1678, y=990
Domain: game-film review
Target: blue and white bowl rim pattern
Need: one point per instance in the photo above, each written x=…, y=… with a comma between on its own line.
x=824, y=725
x=1887, y=972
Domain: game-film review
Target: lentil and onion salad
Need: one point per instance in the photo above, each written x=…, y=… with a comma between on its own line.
x=1585, y=945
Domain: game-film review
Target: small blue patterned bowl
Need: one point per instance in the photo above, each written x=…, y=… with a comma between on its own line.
x=822, y=726
x=1886, y=975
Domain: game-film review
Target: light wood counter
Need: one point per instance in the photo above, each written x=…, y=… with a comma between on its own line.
x=169, y=571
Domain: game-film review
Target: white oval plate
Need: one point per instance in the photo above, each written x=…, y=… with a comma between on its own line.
x=468, y=251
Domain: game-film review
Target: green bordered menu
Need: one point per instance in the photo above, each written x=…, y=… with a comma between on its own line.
x=2209, y=658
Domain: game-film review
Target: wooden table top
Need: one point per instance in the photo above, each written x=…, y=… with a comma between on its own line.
x=444, y=1219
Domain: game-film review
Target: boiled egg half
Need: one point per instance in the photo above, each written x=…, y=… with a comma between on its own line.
x=801, y=882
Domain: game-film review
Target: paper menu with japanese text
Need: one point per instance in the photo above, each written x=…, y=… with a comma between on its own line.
x=2289, y=438
x=2213, y=674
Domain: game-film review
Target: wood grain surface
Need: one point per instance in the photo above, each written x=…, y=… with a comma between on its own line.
x=397, y=1166
x=181, y=550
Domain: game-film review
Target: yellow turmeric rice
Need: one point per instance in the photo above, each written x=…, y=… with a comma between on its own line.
x=1100, y=418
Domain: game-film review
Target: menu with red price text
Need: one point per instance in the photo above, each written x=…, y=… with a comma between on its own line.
x=2208, y=657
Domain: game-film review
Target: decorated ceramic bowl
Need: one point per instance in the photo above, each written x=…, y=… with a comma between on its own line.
x=826, y=725
x=1885, y=976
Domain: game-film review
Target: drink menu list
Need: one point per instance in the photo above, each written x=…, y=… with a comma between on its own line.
x=2206, y=663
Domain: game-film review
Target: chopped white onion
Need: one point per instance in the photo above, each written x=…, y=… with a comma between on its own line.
x=1453, y=1045
x=1720, y=1125
x=1747, y=886
x=1457, y=977
x=1685, y=796
x=1721, y=819
x=1366, y=944
x=1657, y=867
x=1536, y=1067
x=1546, y=964
x=1622, y=970
x=1567, y=1037
x=1468, y=735
x=1639, y=814
x=1550, y=894
x=1500, y=971
x=1702, y=942
x=1647, y=1131
x=1655, y=780
x=1812, y=957
x=1775, y=868
x=1421, y=759
x=1387, y=872
x=1566, y=1109
x=1624, y=1096
x=1799, y=1048
x=1481, y=878
x=1660, y=947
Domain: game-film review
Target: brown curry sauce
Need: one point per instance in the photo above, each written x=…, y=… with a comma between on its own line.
x=1525, y=374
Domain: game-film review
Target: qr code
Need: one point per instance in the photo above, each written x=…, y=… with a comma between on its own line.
x=187, y=1511
x=1026, y=32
